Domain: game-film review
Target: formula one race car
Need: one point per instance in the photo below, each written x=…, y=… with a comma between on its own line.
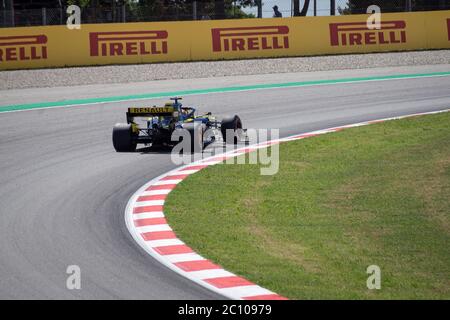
x=159, y=126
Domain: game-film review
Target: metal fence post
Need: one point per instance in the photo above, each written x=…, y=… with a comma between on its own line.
x=194, y=10
x=13, y=22
x=332, y=7
x=408, y=5
x=44, y=16
x=315, y=8
x=124, y=19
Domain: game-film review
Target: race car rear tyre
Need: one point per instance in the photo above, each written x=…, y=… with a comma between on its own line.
x=196, y=136
x=231, y=123
x=122, y=137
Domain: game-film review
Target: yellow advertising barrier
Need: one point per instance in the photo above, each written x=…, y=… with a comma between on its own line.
x=100, y=44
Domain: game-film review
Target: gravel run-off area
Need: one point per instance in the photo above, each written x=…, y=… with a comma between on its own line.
x=41, y=78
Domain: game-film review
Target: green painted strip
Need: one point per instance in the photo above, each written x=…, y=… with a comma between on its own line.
x=76, y=102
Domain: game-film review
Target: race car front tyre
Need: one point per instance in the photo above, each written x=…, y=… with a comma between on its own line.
x=122, y=137
x=232, y=125
x=196, y=136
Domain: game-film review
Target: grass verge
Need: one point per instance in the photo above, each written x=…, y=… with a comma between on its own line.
x=378, y=194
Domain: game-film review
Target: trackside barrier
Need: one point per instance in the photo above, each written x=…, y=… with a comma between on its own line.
x=121, y=43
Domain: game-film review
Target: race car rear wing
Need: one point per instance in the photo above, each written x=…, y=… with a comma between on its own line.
x=149, y=112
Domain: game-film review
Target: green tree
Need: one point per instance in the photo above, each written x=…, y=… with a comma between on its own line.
x=148, y=10
x=360, y=6
x=425, y=5
x=224, y=9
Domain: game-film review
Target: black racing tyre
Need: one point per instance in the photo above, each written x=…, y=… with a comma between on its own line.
x=195, y=130
x=231, y=123
x=122, y=137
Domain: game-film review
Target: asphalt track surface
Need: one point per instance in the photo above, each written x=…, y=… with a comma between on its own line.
x=63, y=189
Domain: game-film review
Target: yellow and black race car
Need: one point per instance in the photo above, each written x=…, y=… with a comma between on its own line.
x=172, y=124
